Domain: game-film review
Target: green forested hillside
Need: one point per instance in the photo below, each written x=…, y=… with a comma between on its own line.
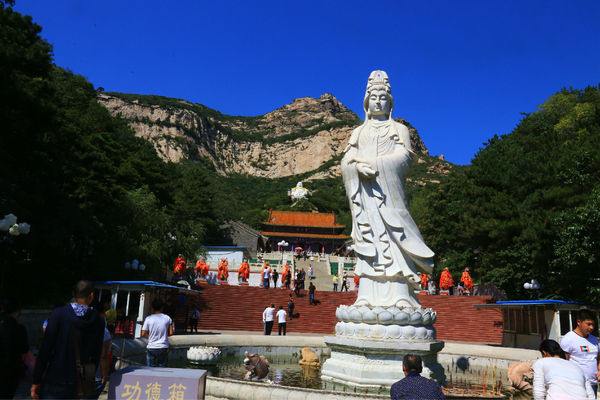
x=95, y=195
x=248, y=198
x=527, y=207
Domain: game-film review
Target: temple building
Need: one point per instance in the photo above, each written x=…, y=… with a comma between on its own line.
x=310, y=231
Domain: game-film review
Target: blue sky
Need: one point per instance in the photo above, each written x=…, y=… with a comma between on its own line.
x=461, y=71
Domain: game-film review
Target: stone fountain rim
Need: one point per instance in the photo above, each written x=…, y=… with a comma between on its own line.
x=393, y=346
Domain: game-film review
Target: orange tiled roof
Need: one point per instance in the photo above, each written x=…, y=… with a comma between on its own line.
x=306, y=235
x=297, y=218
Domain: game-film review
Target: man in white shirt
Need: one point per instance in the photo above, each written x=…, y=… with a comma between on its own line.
x=157, y=328
x=344, y=282
x=582, y=347
x=281, y=319
x=268, y=317
x=266, y=277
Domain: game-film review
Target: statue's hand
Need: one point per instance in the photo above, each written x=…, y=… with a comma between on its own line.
x=366, y=170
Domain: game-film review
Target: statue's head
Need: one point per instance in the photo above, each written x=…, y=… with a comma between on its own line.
x=299, y=184
x=378, y=96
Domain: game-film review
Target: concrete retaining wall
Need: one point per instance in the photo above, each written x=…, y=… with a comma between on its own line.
x=243, y=390
x=477, y=354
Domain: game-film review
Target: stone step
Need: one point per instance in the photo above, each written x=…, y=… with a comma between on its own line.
x=240, y=308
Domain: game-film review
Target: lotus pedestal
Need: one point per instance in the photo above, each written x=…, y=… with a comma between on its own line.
x=370, y=343
x=375, y=363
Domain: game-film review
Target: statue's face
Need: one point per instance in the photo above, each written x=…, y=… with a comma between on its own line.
x=379, y=103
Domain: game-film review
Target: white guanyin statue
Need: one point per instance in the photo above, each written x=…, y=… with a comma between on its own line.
x=388, y=245
x=387, y=321
x=298, y=192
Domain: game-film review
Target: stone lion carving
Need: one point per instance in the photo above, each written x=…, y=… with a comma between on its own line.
x=257, y=366
x=518, y=373
x=309, y=358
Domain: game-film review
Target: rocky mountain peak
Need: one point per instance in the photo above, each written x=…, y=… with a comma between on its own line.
x=306, y=136
x=415, y=140
x=302, y=114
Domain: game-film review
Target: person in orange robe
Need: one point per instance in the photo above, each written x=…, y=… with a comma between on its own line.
x=446, y=279
x=244, y=271
x=198, y=266
x=223, y=273
x=178, y=261
x=466, y=279
x=201, y=268
x=179, y=266
x=284, y=274
x=204, y=269
x=424, y=278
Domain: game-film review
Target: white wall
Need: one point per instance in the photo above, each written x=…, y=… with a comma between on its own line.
x=234, y=256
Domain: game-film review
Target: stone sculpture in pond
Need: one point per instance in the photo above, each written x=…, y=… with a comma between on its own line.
x=257, y=366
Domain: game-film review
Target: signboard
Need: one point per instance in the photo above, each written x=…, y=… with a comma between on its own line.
x=147, y=383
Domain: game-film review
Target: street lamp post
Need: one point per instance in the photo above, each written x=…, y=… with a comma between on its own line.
x=135, y=265
x=10, y=228
x=281, y=245
x=533, y=285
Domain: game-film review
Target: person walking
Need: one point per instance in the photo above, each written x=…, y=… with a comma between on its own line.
x=297, y=284
x=74, y=336
x=344, y=282
x=335, y=282
x=288, y=280
x=267, y=277
x=268, y=317
x=302, y=278
x=311, y=294
x=194, y=317
x=291, y=306
x=311, y=272
x=275, y=278
x=556, y=378
x=281, y=320
x=157, y=328
x=13, y=346
x=431, y=285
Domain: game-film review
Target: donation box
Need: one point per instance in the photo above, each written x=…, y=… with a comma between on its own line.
x=146, y=383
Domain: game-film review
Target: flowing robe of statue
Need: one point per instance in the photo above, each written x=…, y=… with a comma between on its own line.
x=387, y=242
x=466, y=279
x=244, y=271
x=198, y=267
x=223, y=271
x=285, y=272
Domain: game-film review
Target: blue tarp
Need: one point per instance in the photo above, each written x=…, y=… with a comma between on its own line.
x=533, y=303
x=145, y=283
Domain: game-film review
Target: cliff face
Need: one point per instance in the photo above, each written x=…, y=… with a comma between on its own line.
x=305, y=136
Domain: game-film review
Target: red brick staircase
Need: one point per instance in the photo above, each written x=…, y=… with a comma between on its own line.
x=238, y=308
x=459, y=320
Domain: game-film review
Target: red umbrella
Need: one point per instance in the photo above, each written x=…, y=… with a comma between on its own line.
x=298, y=248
